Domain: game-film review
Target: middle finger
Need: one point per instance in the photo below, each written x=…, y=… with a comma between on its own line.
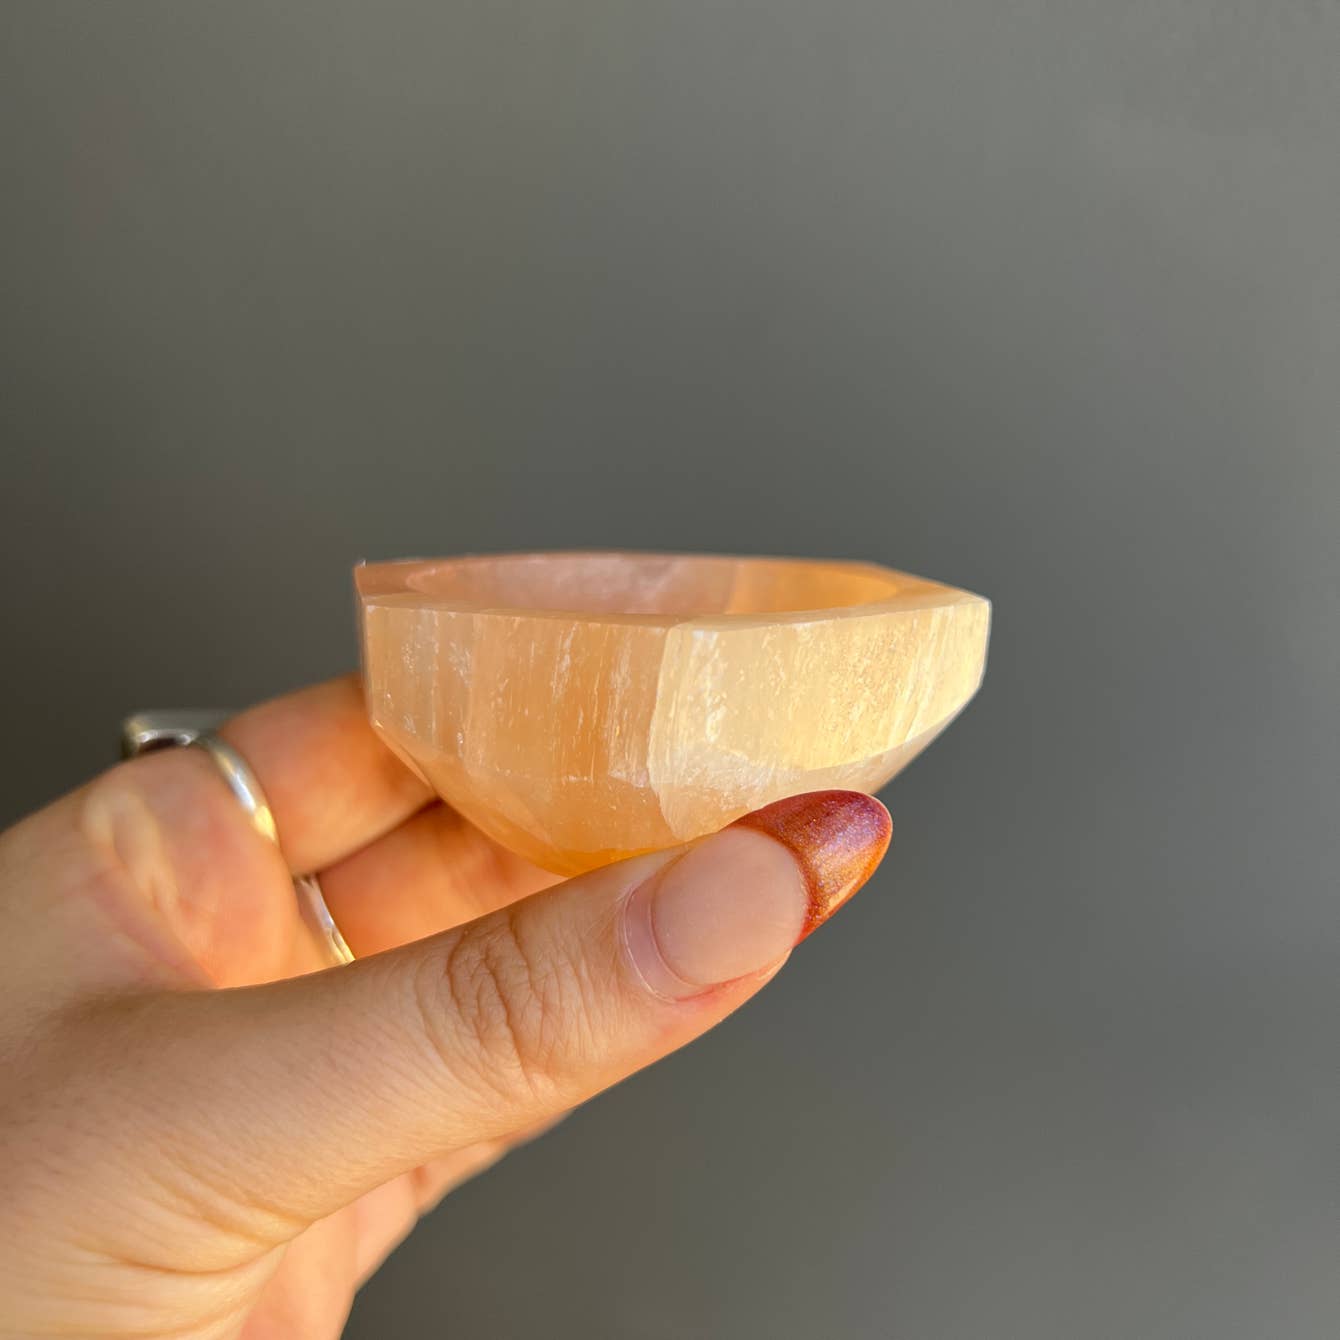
x=436, y=870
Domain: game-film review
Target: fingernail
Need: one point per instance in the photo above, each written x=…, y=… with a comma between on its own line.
x=738, y=902
x=838, y=837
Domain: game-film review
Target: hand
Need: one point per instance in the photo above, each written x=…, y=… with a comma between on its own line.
x=181, y=1160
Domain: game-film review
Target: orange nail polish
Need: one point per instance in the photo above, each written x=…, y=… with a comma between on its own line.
x=837, y=837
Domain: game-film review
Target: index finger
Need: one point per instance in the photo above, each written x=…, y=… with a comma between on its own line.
x=333, y=786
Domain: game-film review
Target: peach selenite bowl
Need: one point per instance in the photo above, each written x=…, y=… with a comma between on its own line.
x=584, y=707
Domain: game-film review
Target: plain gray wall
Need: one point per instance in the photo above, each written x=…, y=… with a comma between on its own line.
x=1038, y=298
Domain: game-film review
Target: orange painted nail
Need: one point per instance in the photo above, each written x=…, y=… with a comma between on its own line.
x=838, y=839
x=733, y=905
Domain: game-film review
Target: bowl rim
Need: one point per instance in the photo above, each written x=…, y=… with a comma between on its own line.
x=375, y=584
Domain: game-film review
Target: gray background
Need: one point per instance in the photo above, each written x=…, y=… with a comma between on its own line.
x=1038, y=298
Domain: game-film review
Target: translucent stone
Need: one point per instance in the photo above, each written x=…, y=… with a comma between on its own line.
x=584, y=707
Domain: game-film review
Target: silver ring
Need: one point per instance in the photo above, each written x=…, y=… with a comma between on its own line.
x=147, y=731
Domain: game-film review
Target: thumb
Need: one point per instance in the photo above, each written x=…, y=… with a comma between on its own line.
x=289, y=1100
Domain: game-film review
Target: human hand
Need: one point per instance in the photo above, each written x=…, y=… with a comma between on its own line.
x=202, y=1135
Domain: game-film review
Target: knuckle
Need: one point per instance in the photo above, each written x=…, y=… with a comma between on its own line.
x=504, y=1011
x=162, y=835
x=125, y=838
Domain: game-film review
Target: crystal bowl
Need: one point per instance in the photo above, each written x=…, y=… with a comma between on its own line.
x=585, y=707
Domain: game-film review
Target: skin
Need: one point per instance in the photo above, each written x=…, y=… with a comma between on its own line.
x=206, y=1133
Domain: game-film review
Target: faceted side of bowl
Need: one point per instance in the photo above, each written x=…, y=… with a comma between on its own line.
x=577, y=742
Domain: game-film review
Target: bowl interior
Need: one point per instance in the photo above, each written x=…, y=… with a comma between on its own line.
x=675, y=585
